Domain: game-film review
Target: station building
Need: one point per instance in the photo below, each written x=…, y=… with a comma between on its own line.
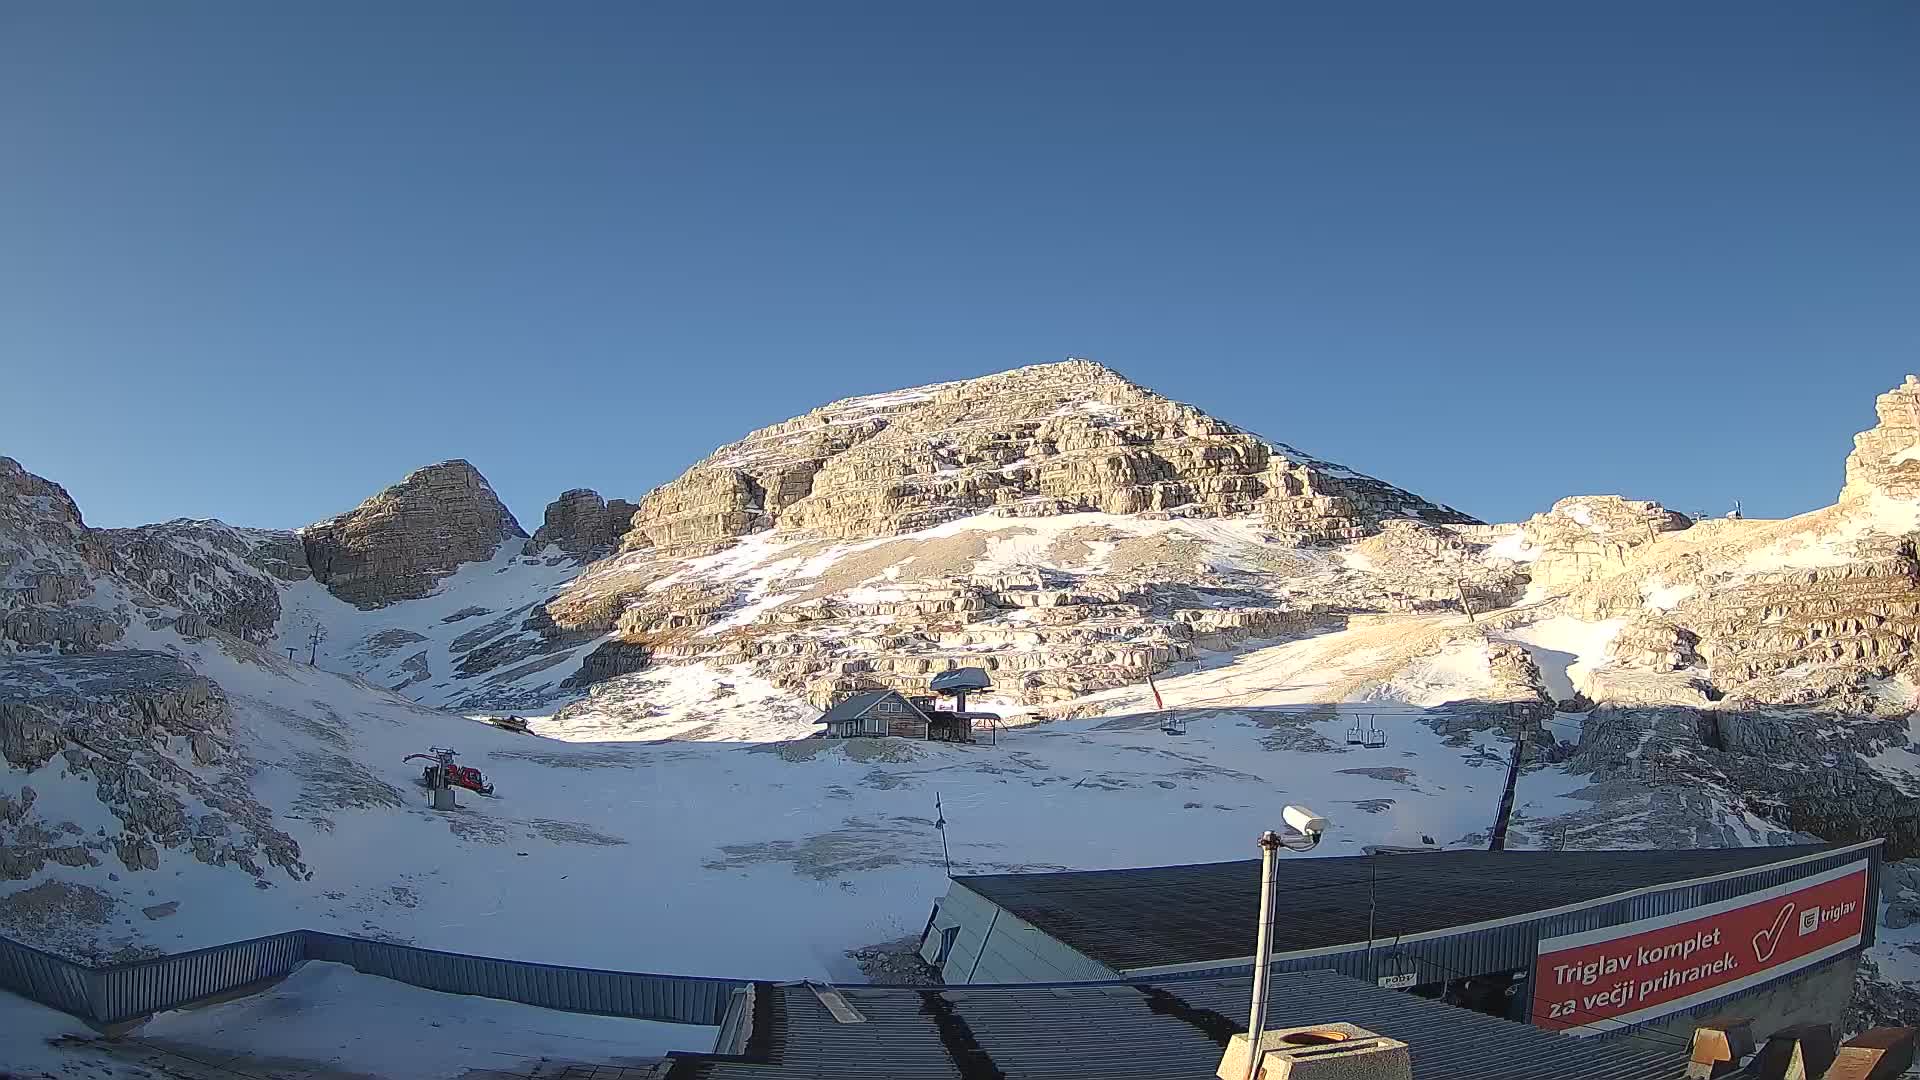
x=1590, y=943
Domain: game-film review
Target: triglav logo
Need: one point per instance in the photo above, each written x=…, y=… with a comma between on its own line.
x=1809, y=921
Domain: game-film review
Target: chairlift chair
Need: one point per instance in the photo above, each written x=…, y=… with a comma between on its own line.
x=1368, y=735
x=1173, y=724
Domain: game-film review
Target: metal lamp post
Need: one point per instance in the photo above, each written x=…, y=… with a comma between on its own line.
x=1304, y=829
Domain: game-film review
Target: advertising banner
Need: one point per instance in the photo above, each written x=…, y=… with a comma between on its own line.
x=1596, y=980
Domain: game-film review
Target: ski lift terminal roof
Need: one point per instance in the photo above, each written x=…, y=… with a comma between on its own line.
x=1156, y=917
x=966, y=678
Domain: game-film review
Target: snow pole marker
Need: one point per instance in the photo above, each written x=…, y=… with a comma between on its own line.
x=940, y=823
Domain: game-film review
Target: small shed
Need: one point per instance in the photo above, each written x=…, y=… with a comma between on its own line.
x=876, y=712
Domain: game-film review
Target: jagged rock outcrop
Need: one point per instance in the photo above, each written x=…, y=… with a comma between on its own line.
x=1042, y=440
x=1585, y=536
x=147, y=730
x=582, y=524
x=1415, y=566
x=48, y=562
x=399, y=544
x=225, y=575
x=1654, y=642
x=1886, y=457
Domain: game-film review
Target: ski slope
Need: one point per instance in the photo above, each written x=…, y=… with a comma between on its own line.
x=752, y=857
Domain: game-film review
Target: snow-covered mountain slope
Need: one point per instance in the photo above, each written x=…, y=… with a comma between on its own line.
x=480, y=640
x=668, y=855
x=1685, y=683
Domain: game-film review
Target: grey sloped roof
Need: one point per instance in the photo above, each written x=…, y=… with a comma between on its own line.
x=857, y=706
x=966, y=678
x=1168, y=1030
x=1150, y=916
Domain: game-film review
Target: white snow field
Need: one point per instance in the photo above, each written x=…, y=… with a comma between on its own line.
x=770, y=859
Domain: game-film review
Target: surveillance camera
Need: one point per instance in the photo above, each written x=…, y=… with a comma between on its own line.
x=1304, y=821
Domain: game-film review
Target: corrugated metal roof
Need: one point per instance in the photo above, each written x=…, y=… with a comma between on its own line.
x=1170, y=1030
x=1148, y=917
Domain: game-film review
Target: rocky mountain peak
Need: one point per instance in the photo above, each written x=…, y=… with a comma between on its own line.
x=1886, y=457
x=50, y=500
x=48, y=562
x=1036, y=441
x=398, y=544
x=581, y=524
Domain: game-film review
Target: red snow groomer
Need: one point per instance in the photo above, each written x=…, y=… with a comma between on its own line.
x=441, y=758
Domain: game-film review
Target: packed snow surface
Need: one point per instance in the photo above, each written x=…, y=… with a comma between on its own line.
x=332, y=1014
x=329, y=1016
x=1566, y=649
x=611, y=845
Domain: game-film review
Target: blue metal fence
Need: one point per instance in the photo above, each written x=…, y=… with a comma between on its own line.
x=126, y=991
x=45, y=978
x=679, y=999
x=143, y=987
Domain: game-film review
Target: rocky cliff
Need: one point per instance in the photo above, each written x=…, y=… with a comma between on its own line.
x=1056, y=524
x=582, y=524
x=1886, y=457
x=1765, y=666
x=48, y=563
x=229, y=577
x=398, y=544
x=1072, y=437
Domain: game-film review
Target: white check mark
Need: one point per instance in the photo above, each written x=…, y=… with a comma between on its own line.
x=1766, y=941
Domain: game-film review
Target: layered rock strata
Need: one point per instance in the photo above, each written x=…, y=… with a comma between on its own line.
x=582, y=524
x=398, y=544
x=1042, y=440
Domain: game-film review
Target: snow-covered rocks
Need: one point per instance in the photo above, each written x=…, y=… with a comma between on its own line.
x=229, y=577
x=1586, y=536
x=49, y=560
x=145, y=728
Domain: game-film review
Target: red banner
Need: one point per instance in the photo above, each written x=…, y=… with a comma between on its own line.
x=1637, y=971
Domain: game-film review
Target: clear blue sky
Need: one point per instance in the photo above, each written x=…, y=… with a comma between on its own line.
x=256, y=265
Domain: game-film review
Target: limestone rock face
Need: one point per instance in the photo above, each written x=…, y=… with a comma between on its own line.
x=845, y=589
x=1036, y=441
x=582, y=524
x=223, y=574
x=48, y=563
x=1585, y=536
x=399, y=544
x=1886, y=457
